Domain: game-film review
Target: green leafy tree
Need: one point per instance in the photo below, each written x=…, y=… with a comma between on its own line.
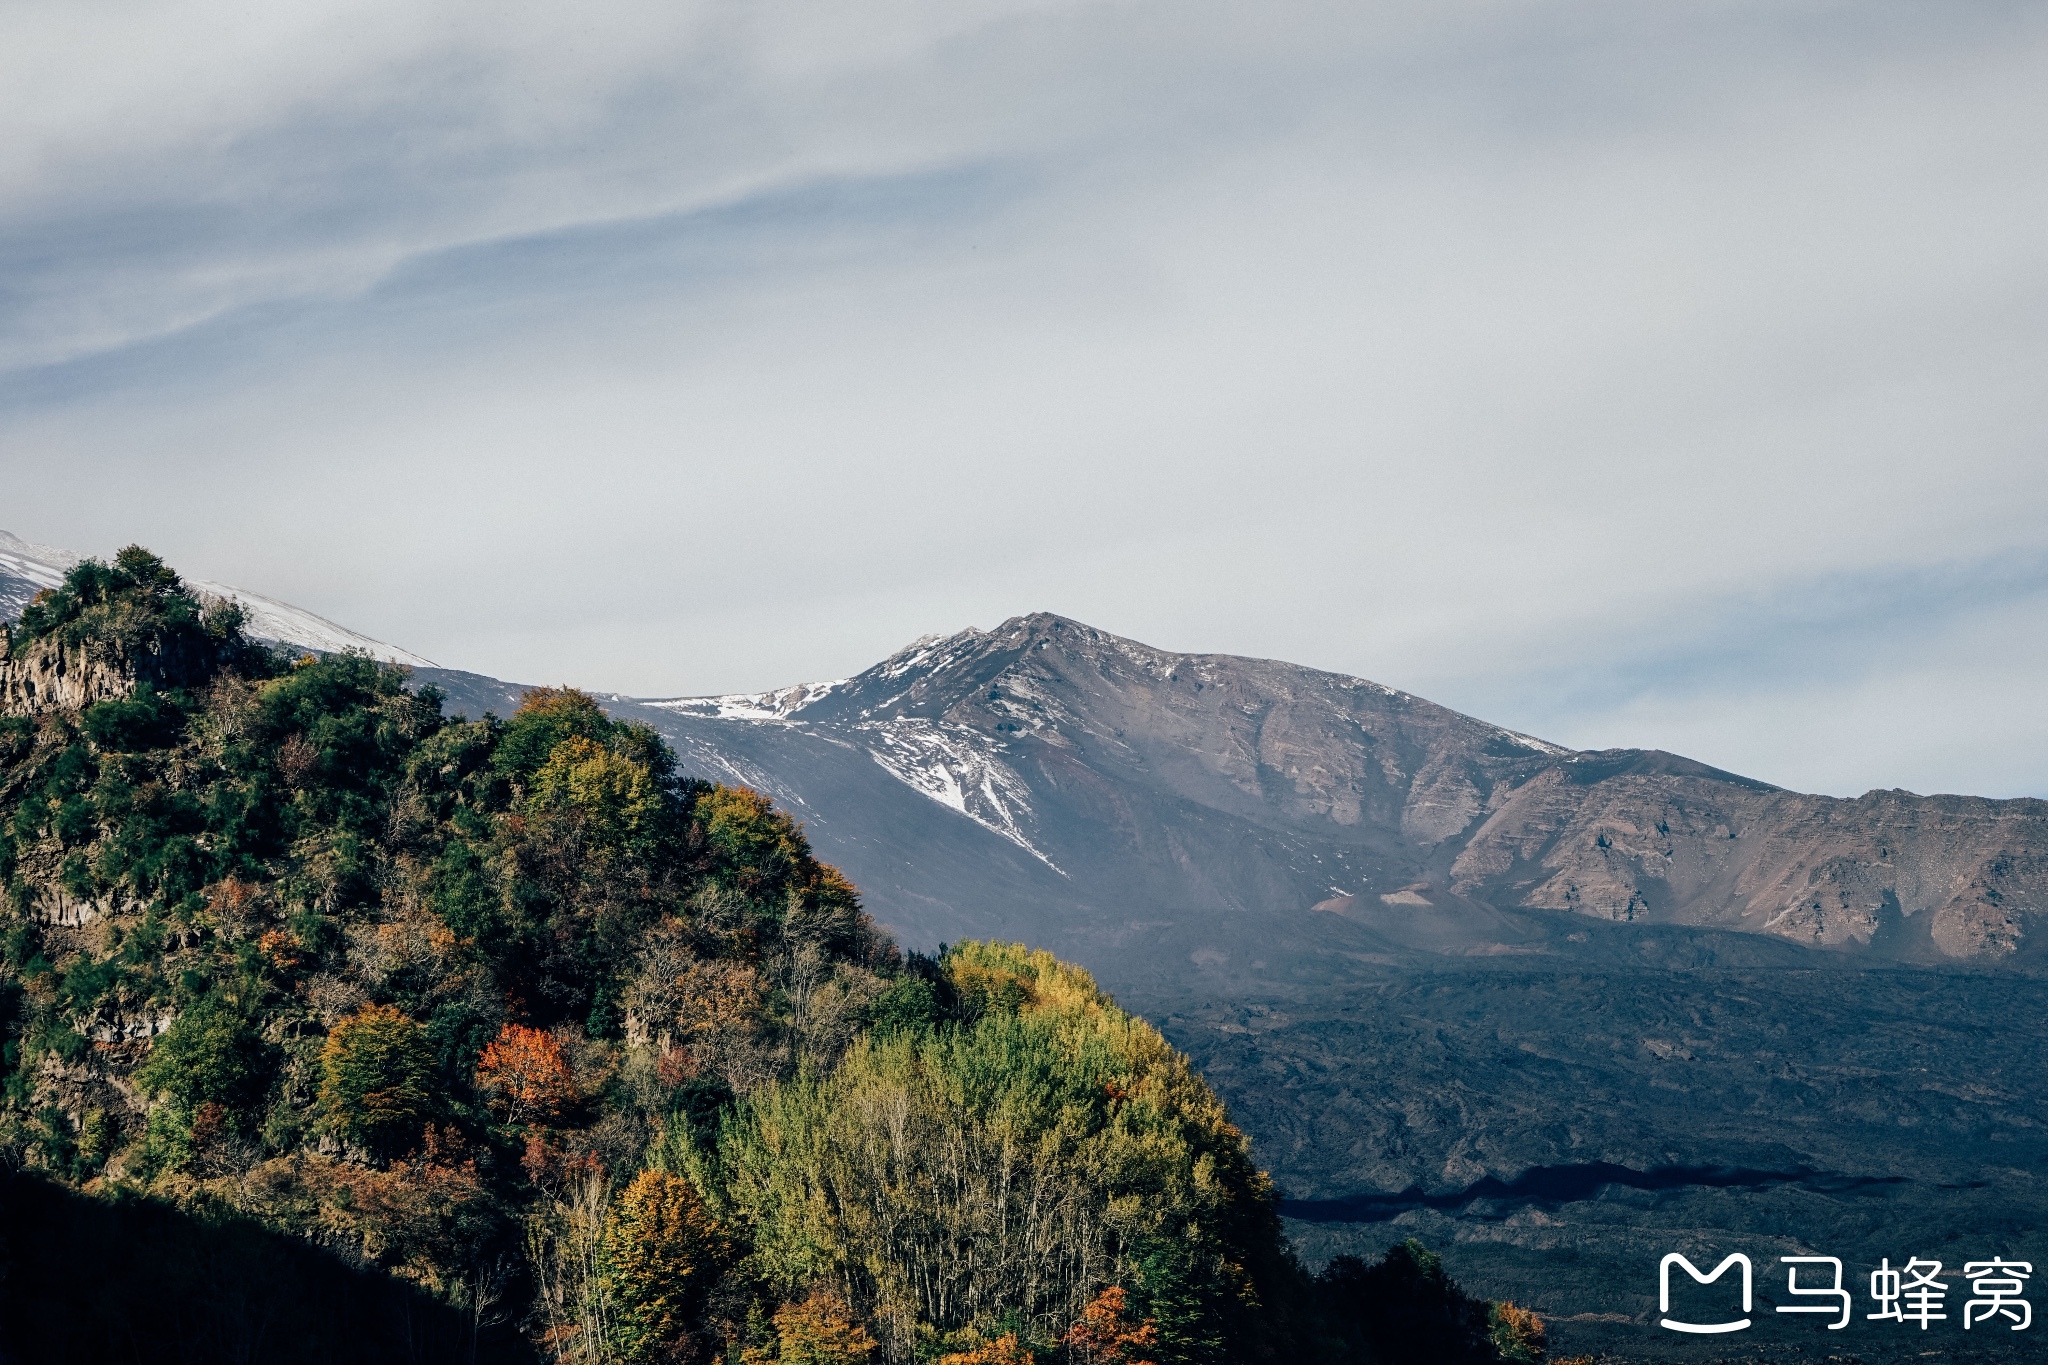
x=619, y=799
x=209, y=1055
x=546, y=717
x=376, y=1074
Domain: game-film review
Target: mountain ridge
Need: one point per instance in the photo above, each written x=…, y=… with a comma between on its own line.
x=27, y=568
x=1424, y=804
x=1155, y=786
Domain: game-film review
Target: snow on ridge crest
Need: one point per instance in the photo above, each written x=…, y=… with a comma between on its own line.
x=1541, y=746
x=778, y=705
x=266, y=618
x=930, y=653
x=48, y=557
x=919, y=653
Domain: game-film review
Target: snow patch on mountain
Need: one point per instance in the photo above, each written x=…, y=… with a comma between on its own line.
x=24, y=572
x=277, y=622
x=952, y=765
x=932, y=653
x=1541, y=746
x=778, y=705
x=708, y=761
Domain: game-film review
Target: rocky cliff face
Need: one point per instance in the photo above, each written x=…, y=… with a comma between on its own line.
x=1914, y=876
x=51, y=676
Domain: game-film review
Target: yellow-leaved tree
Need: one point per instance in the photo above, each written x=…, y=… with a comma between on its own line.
x=661, y=1253
x=963, y=1179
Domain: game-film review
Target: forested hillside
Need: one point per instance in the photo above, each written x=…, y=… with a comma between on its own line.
x=337, y=1028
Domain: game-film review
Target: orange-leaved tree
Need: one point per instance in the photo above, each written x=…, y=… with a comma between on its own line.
x=1004, y=1350
x=822, y=1330
x=1105, y=1333
x=525, y=1076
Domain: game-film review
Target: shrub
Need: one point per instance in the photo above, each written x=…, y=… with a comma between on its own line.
x=141, y=721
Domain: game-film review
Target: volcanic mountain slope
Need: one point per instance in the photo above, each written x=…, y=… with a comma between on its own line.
x=1131, y=787
x=1110, y=786
x=1053, y=781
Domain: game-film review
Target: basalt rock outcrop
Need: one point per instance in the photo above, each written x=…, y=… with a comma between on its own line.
x=51, y=674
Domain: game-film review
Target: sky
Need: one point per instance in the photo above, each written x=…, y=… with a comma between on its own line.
x=1657, y=375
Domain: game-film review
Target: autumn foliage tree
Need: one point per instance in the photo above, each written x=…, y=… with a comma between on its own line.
x=525, y=1076
x=661, y=1253
x=1003, y=1350
x=1106, y=1333
x=821, y=1329
x=1518, y=1334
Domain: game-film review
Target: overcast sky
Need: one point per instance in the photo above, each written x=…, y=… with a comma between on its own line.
x=1631, y=374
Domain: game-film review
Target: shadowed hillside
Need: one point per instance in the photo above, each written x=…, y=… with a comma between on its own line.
x=87, y=1281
